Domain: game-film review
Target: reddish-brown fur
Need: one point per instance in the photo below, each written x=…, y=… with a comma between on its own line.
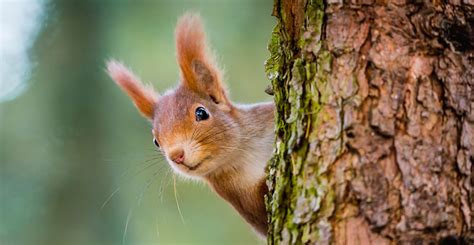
x=228, y=150
x=192, y=51
x=144, y=98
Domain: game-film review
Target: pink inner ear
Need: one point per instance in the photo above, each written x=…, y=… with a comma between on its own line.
x=143, y=97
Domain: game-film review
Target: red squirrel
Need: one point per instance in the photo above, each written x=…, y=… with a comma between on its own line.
x=201, y=132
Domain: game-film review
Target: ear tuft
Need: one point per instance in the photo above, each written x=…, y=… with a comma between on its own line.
x=143, y=96
x=198, y=69
x=191, y=47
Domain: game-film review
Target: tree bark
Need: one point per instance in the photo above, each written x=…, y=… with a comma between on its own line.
x=375, y=122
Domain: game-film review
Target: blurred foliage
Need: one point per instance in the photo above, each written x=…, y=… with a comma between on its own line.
x=73, y=141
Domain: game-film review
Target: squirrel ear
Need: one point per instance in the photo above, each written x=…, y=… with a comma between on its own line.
x=144, y=97
x=198, y=69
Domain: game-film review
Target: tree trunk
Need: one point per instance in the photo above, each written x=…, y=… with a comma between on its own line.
x=375, y=122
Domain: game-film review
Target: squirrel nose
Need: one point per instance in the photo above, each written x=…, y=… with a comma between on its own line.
x=177, y=156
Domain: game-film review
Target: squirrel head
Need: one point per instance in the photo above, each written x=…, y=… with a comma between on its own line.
x=194, y=125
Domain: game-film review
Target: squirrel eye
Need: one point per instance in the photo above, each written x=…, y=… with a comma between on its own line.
x=156, y=142
x=201, y=114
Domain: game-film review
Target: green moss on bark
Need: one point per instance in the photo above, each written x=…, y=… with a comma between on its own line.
x=300, y=198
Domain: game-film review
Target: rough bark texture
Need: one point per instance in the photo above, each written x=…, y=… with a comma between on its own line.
x=375, y=122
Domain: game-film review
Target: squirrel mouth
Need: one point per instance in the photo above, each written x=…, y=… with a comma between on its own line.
x=192, y=168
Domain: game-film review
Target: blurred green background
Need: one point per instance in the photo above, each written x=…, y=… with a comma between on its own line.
x=72, y=141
